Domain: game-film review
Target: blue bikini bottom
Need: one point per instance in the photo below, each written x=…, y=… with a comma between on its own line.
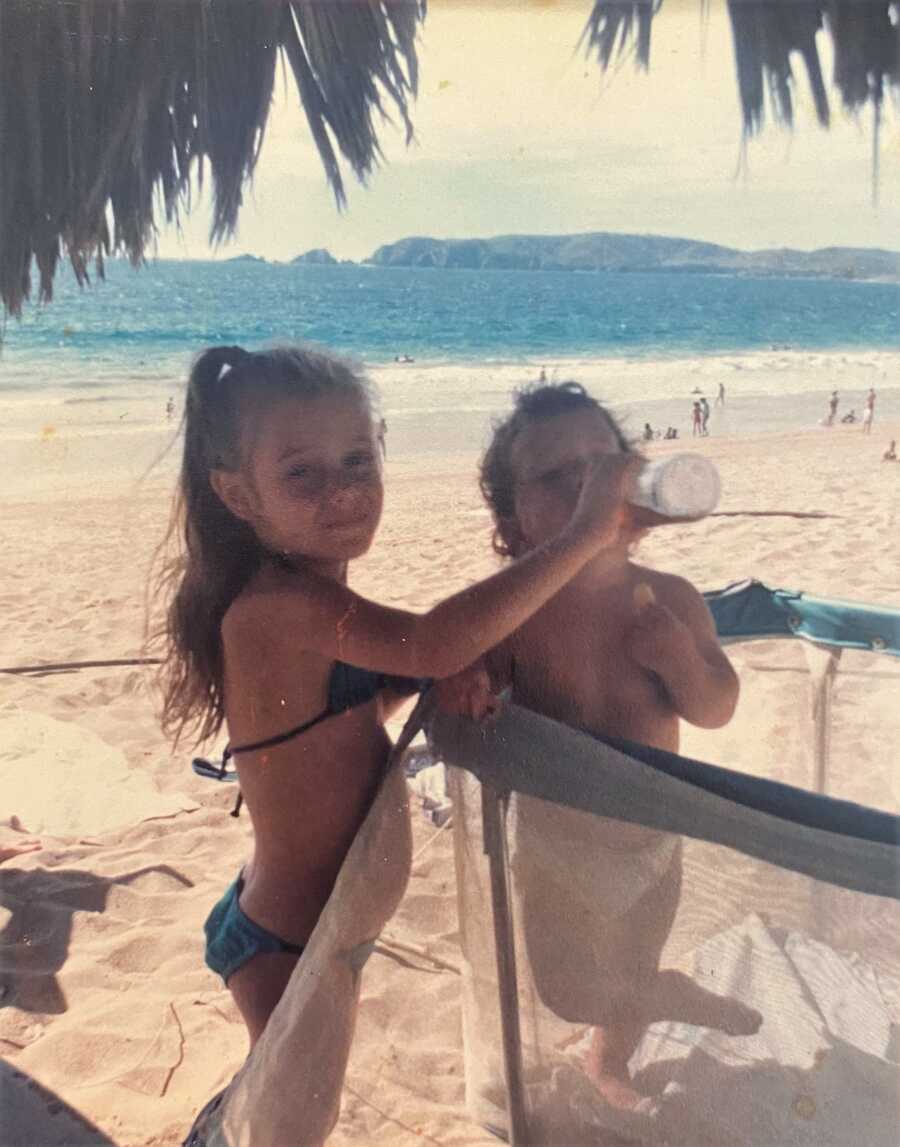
x=232, y=938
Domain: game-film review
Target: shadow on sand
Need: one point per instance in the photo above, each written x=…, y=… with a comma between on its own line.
x=34, y=942
x=849, y=1096
x=34, y=1116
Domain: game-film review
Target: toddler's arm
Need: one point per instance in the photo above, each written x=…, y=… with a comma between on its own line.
x=676, y=639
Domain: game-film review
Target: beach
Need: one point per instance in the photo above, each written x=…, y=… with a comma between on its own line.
x=107, y=1002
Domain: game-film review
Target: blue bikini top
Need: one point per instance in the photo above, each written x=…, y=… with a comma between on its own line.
x=348, y=687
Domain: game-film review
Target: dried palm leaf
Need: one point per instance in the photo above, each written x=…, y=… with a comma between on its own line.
x=108, y=108
x=767, y=33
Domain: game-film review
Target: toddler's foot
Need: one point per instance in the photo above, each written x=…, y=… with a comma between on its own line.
x=618, y=1093
x=613, y=1085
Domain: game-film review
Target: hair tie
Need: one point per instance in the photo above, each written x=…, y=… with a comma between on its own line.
x=232, y=356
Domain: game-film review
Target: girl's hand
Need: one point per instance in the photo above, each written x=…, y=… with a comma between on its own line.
x=468, y=693
x=607, y=481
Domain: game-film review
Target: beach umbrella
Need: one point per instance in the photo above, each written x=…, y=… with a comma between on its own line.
x=108, y=108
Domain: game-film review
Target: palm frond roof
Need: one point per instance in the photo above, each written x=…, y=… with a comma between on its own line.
x=109, y=107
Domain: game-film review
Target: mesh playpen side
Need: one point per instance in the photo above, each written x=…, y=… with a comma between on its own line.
x=606, y=885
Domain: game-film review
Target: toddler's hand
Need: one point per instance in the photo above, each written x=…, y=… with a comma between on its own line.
x=468, y=693
x=658, y=640
x=607, y=481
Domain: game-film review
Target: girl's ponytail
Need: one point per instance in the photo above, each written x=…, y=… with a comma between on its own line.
x=209, y=365
x=219, y=552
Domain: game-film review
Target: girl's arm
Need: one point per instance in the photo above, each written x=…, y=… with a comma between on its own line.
x=309, y=611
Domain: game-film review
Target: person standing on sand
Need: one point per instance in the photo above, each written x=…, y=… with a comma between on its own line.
x=832, y=408
x=720, y=397
x=704, y=416
x=596, y=921
x=869, y=412
x=170, y=409
x=280, y=489
x=697, y=425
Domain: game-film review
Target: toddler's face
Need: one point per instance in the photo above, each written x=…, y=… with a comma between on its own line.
x=548, y=458
x=315, y=476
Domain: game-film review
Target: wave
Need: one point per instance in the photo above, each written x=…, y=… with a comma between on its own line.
x=123, y=396
x=85, y=401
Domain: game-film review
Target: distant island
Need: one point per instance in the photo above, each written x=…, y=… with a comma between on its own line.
x=609, y=251
x=317, y=257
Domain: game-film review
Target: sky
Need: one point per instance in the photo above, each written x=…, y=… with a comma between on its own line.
x=517, y=131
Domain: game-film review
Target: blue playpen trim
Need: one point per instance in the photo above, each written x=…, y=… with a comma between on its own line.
x=749, y=610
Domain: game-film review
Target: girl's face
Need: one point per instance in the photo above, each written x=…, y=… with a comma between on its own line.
x=311, y=483
x=548, y=460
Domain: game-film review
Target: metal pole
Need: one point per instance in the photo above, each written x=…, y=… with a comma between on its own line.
x=823, y=667
x=493, y=814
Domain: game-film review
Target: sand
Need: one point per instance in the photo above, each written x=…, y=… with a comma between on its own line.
x=107, y=1002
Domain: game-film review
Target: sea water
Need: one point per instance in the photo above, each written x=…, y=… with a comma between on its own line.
x=647, y=343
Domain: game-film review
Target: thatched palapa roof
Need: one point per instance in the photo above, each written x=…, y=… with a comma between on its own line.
x=865, y=35
x=107, y=107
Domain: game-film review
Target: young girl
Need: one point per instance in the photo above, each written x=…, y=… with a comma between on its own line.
x=281, y=487
x=621, y=650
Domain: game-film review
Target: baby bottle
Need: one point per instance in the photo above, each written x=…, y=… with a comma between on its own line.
x=681, y=486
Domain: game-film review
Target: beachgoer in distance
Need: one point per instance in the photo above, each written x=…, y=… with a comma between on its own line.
x=648, y=432
x=849, y=417
x=720, y=397
x=890, y=455
x=281, y=487
x=621, y=650
x=170, y=408
x=704, y=415
x=869, y=412
x=697, y=419
x=832, y=408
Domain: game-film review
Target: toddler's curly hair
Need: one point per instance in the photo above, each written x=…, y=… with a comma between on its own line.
x=530, y=404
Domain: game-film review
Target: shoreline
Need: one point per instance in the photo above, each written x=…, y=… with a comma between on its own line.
x=532, y=357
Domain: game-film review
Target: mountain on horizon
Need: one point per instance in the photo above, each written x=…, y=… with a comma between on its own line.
x=611, y=251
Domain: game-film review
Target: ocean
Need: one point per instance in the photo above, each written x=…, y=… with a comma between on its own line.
x=646, y=343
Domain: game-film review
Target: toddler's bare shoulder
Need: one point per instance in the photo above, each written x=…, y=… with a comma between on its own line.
x=669, y=589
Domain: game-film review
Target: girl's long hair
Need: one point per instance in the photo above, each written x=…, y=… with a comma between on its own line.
x=219, y=552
